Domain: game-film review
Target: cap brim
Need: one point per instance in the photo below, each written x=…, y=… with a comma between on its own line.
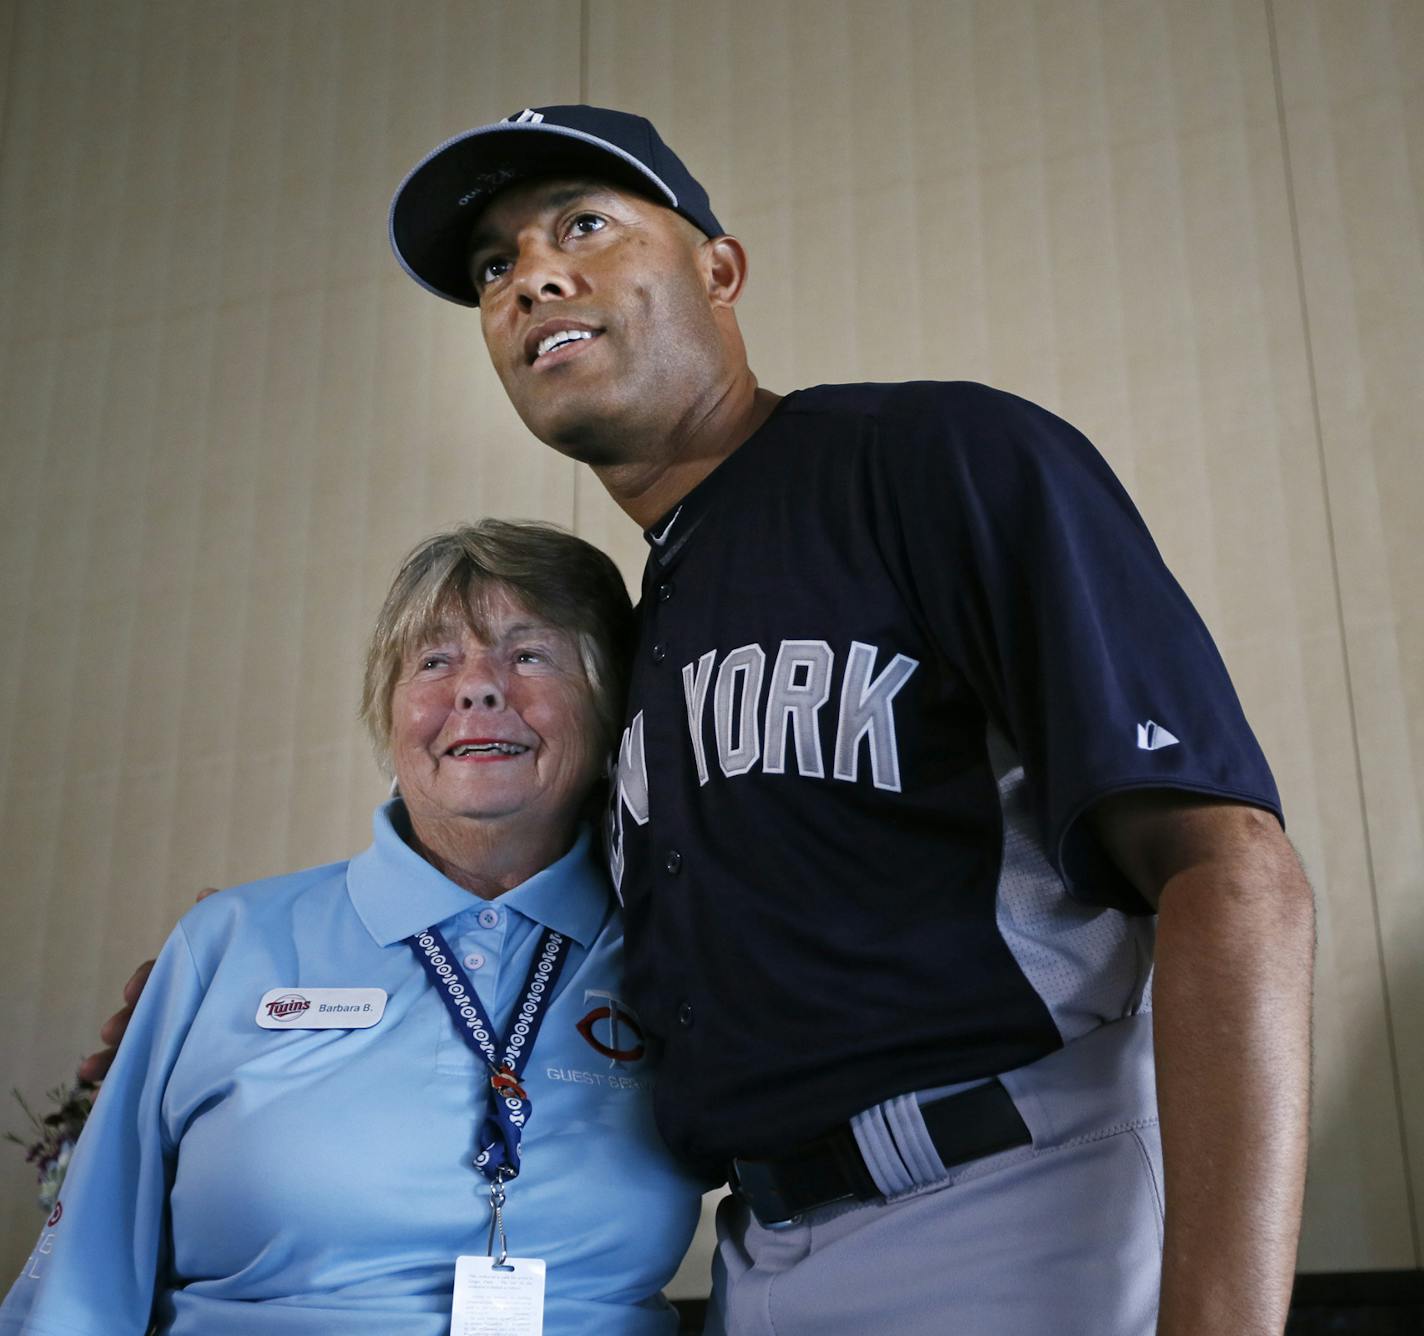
x=438, y=202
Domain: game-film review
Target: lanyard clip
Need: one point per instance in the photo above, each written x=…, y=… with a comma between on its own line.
x=497, y=1218
x=504, y=1081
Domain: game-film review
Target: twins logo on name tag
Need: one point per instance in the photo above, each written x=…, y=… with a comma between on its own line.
x=321, y=1008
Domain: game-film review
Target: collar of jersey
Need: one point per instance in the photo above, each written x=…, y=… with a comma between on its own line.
x=395, y=892
x=669, y=535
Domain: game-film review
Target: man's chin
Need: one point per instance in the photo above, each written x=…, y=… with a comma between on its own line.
x=585, y=435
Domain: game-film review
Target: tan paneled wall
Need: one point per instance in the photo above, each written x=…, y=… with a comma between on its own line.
x=7, y=29
x=1195, y=229
x=1352, y=85
x=225, y=418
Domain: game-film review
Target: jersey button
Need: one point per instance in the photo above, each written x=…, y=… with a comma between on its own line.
x=474, y=961
x=673, y=862
x=684, y=1015
x=659, y=652
x=489, y=918
x=664, y=591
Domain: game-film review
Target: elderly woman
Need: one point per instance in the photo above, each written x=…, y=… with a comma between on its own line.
x=334, y=1076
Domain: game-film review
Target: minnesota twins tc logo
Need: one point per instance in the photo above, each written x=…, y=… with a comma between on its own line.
x=625, y=1035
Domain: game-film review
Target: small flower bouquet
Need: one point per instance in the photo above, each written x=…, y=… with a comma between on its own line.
x=55, y=1135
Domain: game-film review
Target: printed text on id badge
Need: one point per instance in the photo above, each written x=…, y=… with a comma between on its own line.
x=493, y=1302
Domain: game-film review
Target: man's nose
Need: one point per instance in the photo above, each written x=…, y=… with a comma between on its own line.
x=542, y=273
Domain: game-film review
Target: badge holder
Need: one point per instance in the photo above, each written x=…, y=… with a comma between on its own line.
x=498, y=1295
x=491, y=1302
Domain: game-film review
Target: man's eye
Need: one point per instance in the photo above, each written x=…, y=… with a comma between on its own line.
x=529, y=656
x=585, y=223
x=487, y=271
x=429, y=661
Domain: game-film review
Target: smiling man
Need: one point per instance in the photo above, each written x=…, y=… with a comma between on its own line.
x=927, y=759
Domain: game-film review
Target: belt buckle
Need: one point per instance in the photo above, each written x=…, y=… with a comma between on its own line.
x=754, y=1184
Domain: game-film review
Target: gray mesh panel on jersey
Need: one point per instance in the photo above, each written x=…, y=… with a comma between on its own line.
x=1088, y=964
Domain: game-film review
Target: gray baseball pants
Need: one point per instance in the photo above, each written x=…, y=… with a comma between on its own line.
x=1060, y=1238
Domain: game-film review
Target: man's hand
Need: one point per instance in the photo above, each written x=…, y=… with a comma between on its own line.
x=1231, y=1022
x=96, y=1066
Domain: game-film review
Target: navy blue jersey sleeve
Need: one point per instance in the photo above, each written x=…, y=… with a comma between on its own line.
x=1040, y=583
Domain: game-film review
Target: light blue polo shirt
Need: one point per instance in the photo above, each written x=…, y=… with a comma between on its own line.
x=237, y=1180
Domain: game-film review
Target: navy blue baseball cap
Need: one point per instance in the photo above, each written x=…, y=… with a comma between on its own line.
x=437, y=203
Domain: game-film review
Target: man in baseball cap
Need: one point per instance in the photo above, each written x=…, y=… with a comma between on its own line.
x=925, y=749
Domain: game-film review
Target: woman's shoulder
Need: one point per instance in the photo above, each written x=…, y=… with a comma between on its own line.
x=270, y=905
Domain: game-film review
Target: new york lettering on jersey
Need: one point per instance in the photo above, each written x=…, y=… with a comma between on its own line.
x=749, y=716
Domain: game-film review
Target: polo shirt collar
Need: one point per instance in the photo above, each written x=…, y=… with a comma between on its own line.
x=395, y=892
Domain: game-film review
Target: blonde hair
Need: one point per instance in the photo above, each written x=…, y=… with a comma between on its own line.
x=449, y=579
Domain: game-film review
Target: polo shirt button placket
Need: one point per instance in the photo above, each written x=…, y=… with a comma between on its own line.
x=478, y=949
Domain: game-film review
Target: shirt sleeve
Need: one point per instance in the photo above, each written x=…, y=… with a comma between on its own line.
x=1039, y=580
x=95, y=1266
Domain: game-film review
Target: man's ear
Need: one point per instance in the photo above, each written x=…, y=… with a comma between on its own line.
x=724, y=269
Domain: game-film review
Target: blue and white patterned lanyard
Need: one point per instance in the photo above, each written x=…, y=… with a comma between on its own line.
x=498, y=1158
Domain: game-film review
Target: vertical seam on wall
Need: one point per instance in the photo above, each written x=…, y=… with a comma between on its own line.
x=1303, y=299
x=10, y=43
x=583, y=50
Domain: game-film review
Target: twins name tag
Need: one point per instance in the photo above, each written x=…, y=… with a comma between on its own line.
x=321, y=1008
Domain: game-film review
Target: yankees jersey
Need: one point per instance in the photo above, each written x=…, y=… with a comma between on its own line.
x=891, y=651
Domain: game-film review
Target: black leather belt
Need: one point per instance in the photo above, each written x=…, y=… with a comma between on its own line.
x=975, y=1122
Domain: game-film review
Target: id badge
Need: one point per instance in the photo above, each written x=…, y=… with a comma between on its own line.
x=498, y=1303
